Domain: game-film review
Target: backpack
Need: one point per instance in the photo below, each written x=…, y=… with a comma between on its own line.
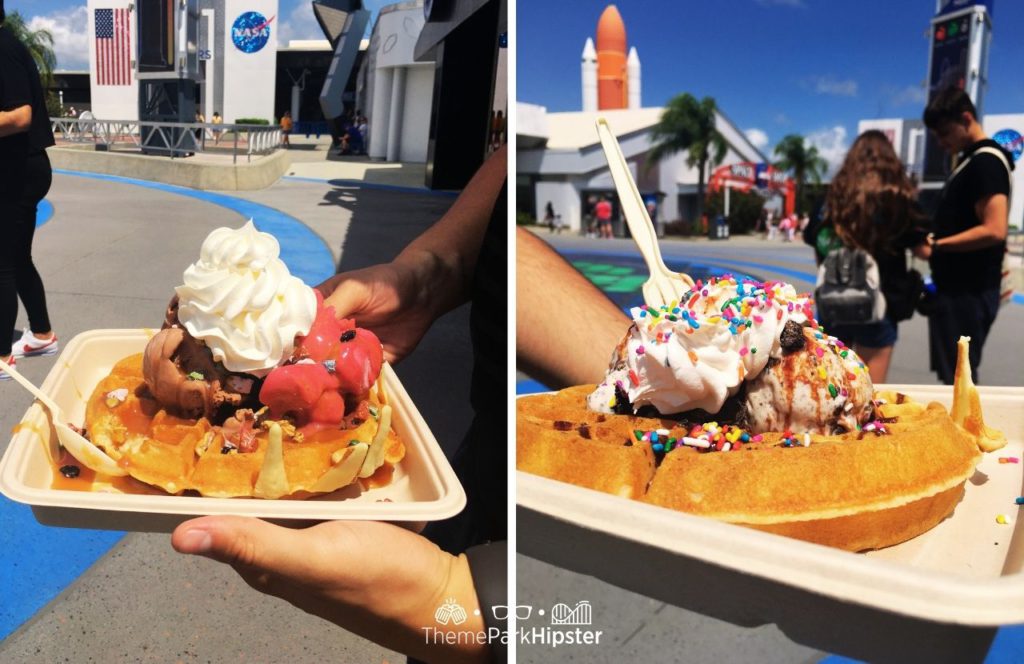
x=848, y=289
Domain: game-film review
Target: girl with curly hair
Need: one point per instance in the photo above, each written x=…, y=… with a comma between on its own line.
x=871, y=205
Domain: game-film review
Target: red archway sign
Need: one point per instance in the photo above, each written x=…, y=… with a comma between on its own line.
x=747, y=175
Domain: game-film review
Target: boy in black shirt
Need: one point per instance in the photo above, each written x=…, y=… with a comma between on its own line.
x=969, y=241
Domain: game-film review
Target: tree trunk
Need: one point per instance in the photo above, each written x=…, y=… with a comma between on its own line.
x=698, y=224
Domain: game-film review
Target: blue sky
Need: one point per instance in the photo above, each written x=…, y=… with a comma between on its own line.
x=811, y=67
x=66, y=19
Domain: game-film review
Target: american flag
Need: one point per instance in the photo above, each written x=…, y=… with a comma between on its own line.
x=113, y=50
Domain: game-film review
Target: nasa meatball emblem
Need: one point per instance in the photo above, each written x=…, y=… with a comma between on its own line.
x=251, y=31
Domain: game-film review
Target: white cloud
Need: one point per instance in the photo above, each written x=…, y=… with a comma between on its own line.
x=910, y=95
x=758, y=137
x=832, y=146
x=830, y=85
x=70, y=30
x=300, y=24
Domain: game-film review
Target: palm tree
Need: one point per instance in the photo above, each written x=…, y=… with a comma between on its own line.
x=803, y=160
x=688, y=124
x=39, y=44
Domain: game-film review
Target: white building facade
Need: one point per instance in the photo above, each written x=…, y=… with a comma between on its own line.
x=113, y=88
x=237, y=52
x=560, y=161
x=400, y=90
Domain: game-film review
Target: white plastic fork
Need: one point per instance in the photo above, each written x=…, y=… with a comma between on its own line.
x=663, y=286
x=91, y=456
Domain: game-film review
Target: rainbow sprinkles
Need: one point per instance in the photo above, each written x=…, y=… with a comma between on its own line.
x=723, y=338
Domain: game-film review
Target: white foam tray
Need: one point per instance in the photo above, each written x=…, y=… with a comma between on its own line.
x=939, y=595
x=423, y=488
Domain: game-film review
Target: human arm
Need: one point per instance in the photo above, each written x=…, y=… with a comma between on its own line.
x=566, y=328
x=374, y=579
x=15, y=97
x=992, y=211
x=432, y=275
x=15, y=121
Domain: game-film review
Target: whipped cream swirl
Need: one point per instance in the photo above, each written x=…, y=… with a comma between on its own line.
x=697, y=352
x=241, y=301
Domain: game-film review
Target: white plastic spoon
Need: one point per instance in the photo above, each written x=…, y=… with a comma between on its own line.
x=91, y=456
x=663, y=286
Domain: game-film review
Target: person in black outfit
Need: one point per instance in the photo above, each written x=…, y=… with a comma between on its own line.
x=967, y=248
x=25, y=178
x=871, y=206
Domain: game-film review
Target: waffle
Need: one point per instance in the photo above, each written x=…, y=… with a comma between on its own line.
x=191, y=455
x=856, y=491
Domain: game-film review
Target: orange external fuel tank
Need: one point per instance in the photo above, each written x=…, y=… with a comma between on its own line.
x=612, y=82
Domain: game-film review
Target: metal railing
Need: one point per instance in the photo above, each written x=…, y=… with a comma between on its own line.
x=174, y=139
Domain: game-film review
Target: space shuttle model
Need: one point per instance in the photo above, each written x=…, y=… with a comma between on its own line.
x=611, y=79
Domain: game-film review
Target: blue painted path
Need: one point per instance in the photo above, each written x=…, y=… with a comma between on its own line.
x=43, y=212
x=731, y=264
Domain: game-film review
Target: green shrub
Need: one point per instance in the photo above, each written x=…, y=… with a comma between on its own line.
x=525, y=219
x=744, y=209
x=53, y=108
x=252, y=121
x=681, y=228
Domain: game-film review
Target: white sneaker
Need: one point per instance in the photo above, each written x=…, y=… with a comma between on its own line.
x=29, y=345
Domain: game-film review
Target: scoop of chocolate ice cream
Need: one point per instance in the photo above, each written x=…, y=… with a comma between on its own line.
x=816, y=385
x=184, y=379
x=171, y=314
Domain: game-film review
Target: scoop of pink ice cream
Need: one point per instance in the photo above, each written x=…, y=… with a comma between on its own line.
x=334, y=361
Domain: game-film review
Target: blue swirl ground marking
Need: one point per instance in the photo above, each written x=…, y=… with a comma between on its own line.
x=38, y=561
x=715, y=261
x=1006, y=649
x=44, y=212
x=303, y=251
x=720, y=261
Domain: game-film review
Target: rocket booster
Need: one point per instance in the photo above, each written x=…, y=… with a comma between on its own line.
x=589, y=74
x=633, y=69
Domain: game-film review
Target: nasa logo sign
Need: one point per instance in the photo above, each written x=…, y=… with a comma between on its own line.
x=251, y=31
x=1011, y=141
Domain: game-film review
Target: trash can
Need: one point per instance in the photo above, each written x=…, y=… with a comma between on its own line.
x=718, y=229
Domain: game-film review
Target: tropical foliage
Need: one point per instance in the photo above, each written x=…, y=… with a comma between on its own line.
x=690, y=125
x=40, y=46
x=803, y=161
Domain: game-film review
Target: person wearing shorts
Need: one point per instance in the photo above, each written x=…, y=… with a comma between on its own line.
x=871, y=205
x=603, y=213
